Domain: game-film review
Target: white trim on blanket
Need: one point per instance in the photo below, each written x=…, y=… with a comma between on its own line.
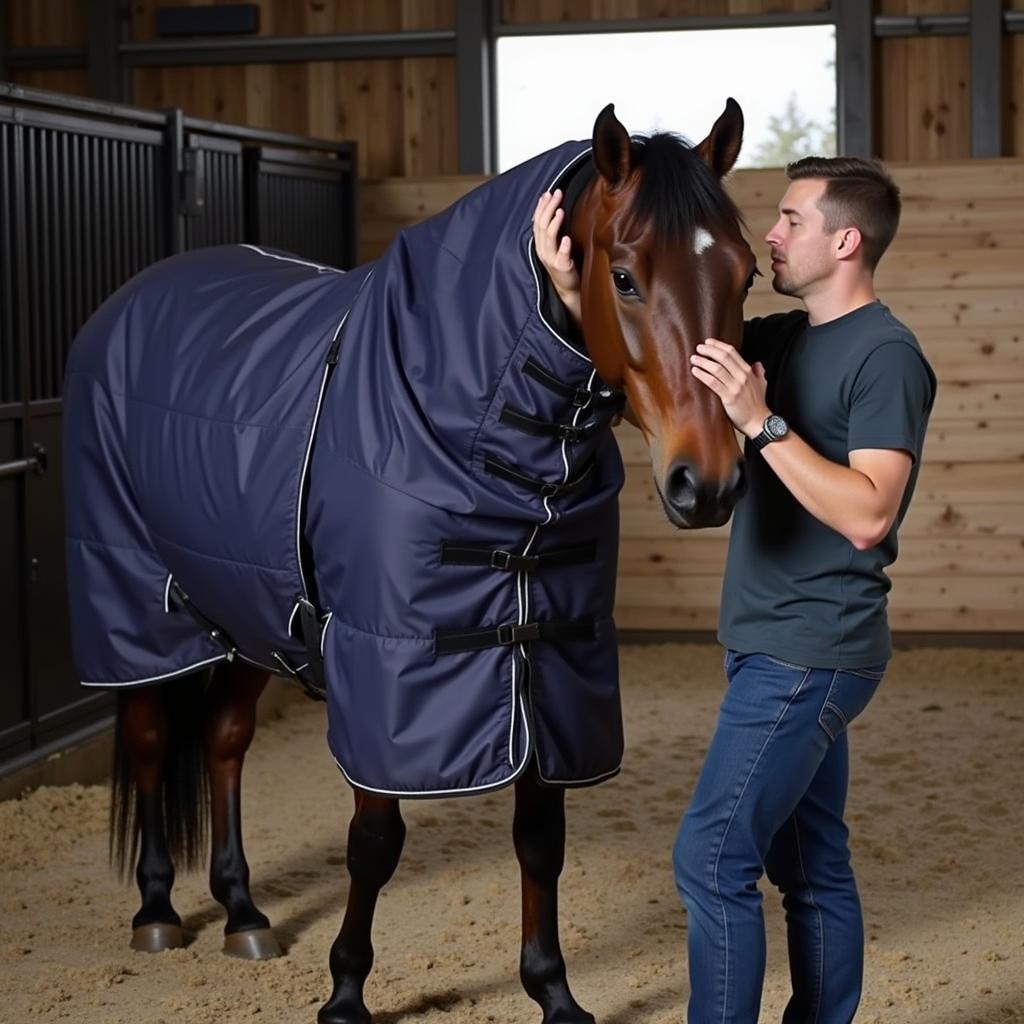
x=161, y=678
x=576, y=783
x=312, y=437
x=522, y=581
x=292, y=259
x=523, y=603
x=412, y=794
x=323, y=632
x=305, y=469
x=532, y=254
x=259, y=664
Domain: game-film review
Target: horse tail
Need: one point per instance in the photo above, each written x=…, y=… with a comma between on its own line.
x=184, y=784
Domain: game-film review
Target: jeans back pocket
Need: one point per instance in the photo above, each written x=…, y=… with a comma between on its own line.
x=848, y=696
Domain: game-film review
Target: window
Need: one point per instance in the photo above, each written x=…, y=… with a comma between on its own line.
x=550, y=88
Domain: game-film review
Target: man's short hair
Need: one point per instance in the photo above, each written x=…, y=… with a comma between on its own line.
x=858, y=193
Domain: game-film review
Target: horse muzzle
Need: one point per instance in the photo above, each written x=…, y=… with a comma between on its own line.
x=693, y=502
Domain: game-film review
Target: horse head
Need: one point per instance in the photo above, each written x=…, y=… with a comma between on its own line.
x=664, y=265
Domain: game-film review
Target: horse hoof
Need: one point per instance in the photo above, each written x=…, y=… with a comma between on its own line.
x=343, y=1013
x=155, y=938
x=255, y=944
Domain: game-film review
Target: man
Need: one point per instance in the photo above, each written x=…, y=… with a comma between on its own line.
x=834, y=402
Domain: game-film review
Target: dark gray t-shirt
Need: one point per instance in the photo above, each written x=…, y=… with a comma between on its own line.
x=794, y=588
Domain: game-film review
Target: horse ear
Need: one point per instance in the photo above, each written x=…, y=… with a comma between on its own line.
x=612, y=150
x=722, y=146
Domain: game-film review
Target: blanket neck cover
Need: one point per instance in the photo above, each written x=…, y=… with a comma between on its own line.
x=396, y=483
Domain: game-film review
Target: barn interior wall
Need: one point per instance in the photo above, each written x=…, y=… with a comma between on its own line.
x=955, y=274
x=403, y=111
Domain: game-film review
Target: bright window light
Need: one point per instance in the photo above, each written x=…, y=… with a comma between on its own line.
x=550, y=88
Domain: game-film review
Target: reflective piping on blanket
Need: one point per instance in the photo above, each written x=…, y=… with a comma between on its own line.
x=323, y=632
x=309, y=443
x=523, y=604
x=522, y=589
x=164, y=676
x=305, y=470
x=293, y=259
x=259, y=664
x=532, y=253
x=413, y=794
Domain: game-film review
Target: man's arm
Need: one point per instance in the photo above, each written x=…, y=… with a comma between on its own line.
x=859, y=501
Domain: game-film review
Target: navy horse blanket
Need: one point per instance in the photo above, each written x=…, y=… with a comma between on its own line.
x=395, y=484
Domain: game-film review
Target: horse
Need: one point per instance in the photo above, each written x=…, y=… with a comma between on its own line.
x=397, y=486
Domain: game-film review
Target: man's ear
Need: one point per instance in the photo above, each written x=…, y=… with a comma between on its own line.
x=849, y=243
x=722, y=146
x=613, y=154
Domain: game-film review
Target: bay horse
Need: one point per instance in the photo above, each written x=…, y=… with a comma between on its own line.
x=181, y=392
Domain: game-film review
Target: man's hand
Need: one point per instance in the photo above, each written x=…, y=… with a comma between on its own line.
x=740, y=386
x=555, y=255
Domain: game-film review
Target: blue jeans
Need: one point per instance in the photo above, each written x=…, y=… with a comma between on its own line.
x=771, y=796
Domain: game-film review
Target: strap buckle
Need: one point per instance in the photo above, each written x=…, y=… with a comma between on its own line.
x=509, y=633
x=501, y=559
x=569, y=432
x=217, y=636
x=581, y=397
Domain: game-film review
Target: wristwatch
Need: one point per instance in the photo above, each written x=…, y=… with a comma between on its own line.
x=775, y=428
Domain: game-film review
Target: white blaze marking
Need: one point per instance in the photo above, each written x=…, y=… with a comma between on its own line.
x=702, y=240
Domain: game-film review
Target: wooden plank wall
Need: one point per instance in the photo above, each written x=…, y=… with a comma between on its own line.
x=956, y=276
x=955, y=273
x=400, y=112
x=48, y=23
x=923, y=98
x=403, y=112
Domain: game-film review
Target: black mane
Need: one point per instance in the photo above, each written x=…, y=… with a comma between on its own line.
x=678, y=192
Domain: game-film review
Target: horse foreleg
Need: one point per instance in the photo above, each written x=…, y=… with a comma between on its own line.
x=375, y=839
x=539, y=833
x=143, y=727
x=230, y=724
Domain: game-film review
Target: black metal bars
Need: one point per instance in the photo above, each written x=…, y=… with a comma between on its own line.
x=90, y=194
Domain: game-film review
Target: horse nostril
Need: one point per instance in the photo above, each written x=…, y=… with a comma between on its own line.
x=682, y=487
x=735, y=486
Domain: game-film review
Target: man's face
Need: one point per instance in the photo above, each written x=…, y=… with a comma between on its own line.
x=801, y=250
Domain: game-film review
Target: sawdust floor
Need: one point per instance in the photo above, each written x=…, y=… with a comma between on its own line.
x=936, y=811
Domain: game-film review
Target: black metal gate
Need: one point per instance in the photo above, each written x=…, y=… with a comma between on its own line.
x=90, y=194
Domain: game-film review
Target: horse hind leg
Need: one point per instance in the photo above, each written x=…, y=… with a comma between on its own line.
x=158, y=803
x=539, y=832
x=230, y=724
x=375, y=839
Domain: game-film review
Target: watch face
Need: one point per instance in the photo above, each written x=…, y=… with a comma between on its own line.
x=776, y=426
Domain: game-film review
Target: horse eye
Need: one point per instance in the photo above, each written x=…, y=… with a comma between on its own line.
x=623, y=283
x=755, y=273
